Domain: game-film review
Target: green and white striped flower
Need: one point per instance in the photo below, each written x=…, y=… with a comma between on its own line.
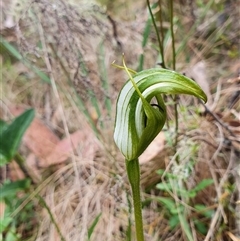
x=137, y=121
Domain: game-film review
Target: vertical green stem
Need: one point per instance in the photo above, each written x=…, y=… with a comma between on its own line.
x=174, y=67
x=172, y=35
x=133, y=172
x=157, y=33
x=161, y=32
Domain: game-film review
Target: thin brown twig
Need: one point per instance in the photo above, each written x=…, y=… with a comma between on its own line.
x=225, y=126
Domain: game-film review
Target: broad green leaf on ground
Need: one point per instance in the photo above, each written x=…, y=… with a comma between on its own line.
x=11, y=188
x=3, y=126
x=11, y=135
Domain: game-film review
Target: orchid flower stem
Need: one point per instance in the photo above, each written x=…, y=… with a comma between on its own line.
x=138, y=122
x=172, y=35
x=161, y=32
x=174, y=67
x=133, y=171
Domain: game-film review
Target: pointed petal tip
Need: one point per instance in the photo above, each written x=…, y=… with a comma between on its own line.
x=203, y=96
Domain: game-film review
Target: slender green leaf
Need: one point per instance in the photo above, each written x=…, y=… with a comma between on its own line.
x=40, y=73
x=203, y=184
x=173, y=221
x=201, y=227
x=92, y=227
x=13, y=51
x=146, y=32
x=204, y=211
x=104, y=78
x=164, y=186
x=44, y=204
x=140, y=62
x=185, y=226
x=168, y=203
x=182, y=192
x=11, y=136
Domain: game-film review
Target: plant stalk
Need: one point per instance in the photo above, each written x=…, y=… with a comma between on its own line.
x=160, y=43
x=174, y=68
x=42, y=201
x=133, y=171
x=172, y=35
x=21, y=163
x=161, y=32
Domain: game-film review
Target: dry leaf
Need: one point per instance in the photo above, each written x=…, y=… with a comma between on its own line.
x=84, y=140
x=38, y=137
x=154, y=149
x=48, y=149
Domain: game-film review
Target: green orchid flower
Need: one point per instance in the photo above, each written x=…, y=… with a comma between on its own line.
x=137, y=121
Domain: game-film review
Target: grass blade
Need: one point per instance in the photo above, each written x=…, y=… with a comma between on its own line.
x=44, y=204
x=93, y=225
